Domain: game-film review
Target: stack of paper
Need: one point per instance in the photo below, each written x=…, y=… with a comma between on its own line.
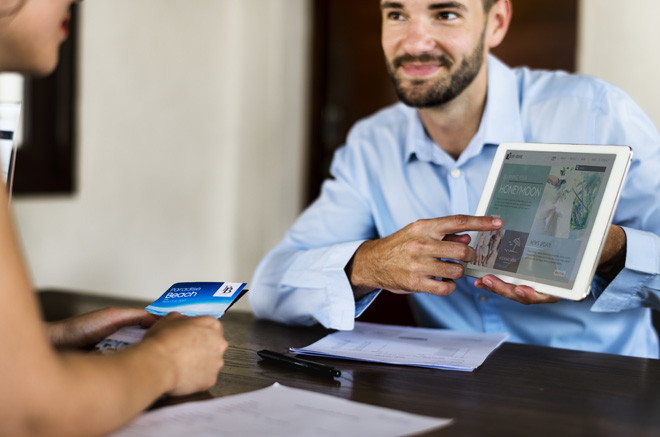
x=278, y=411
x=437, y=348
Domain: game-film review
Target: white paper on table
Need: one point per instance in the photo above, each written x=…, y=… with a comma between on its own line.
x=424, y=347
x=123, y=337
x=278, y=411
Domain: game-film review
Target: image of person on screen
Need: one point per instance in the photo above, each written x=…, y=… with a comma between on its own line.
x=567, y=203
x=488, y=247
x=406, y=184
x=50, y=384
x=553, y=216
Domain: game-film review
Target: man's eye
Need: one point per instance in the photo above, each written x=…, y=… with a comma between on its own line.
x=395, y=16
x=446, y=15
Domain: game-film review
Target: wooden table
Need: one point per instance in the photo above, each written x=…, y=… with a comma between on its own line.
x=519, y=390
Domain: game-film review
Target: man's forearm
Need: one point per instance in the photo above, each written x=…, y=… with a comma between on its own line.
x=355, y=273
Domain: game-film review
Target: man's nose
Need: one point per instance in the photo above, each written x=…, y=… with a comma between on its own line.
x=418, y=38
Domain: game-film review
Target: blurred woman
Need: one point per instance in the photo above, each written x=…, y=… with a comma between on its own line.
x=45, y=387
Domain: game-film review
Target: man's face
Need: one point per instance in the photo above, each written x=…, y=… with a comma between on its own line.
x=434, y=48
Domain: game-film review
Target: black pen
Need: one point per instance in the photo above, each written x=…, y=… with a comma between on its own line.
x=299, y=363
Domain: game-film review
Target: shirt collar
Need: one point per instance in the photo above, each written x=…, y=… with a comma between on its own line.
x=500, y=122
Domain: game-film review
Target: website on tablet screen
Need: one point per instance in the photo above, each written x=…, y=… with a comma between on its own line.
x=548, y=203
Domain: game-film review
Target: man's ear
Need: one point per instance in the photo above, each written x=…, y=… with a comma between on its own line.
x=497, y=25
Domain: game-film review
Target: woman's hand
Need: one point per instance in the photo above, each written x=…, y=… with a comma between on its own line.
x=88, y=329
x=193, y=347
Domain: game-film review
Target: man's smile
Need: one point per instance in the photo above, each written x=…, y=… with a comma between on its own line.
x=420, y=69
x=424, y=65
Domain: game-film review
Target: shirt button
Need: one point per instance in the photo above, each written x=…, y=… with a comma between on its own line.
x=483, y=298
x=456, y=173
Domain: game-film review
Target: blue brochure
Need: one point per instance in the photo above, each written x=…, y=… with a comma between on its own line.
x=188, y=298
x=198, y=298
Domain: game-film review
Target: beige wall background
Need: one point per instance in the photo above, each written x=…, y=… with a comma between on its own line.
x=192, y=134
x=621, y=43
x=192, y=123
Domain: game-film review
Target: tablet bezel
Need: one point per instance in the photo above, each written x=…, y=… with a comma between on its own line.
x=596, y=239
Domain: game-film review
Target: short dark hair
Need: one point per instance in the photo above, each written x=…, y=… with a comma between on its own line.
x=488, y=4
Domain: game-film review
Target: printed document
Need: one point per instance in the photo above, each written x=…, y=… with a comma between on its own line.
x=423, y=347
x=278, y=411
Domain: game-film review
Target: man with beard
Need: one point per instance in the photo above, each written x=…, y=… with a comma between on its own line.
x=409, y=177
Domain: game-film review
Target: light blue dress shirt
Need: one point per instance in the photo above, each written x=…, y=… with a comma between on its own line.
x=390, y=173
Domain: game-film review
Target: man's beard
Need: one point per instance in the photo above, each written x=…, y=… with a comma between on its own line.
x=437, y=93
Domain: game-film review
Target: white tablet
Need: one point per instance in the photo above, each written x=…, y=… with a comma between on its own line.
x=557, y=202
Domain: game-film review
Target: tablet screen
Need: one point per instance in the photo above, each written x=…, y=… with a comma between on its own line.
x=548, y=201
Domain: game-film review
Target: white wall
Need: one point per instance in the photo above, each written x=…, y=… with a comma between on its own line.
x=620, y=42
x=191, y=136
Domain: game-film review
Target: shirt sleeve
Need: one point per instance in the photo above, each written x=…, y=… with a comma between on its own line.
x=638, y=284
x=302, y=281
x=638, y=212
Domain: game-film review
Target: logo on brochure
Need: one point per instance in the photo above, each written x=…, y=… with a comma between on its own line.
x=228, y=289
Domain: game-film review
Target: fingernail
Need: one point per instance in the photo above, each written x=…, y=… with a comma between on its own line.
x=497, y=221
x=488, y=282
x=519, y=292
